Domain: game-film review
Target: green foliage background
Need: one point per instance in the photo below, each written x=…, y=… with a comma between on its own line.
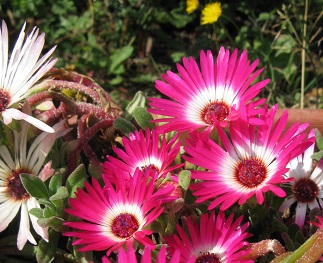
x=126, y=45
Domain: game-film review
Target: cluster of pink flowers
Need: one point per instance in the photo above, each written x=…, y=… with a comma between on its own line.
x=213, y=123
x=255, y=158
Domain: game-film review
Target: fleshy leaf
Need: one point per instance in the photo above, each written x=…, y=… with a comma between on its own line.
x=184, y=179
x=124, y=126
x=37, y=212
x=53, y=222
x=319, y=139
x=34, y=186
x=143, y=117
x=46, y=251
x=76, y=180
x=55, y=183
x=61, y=193
x=139, y=100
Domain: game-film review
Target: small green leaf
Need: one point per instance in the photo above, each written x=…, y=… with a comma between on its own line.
x=46, y=251
x=319, y=139
x=34, y=186
x=82, y=257
x=61, y=193
x=37, y=212
x=55, y=183
x=143, y=118
x=49, y=211
x=76, y=180
x=184, y=179
x=118, y=56
x=139, y=100
x=53, y=222
x=124, y=126
x=317, y=156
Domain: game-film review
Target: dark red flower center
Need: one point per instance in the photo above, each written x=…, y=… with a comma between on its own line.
x=207, y=258
x=218, y=110
x=305, y=190
x=15, y=187
x=4, y=100
x=124, y=225
x=251, y=172
x=150, y=167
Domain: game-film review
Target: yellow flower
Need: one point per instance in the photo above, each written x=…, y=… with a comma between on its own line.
x=191, y=6
x=211, y=13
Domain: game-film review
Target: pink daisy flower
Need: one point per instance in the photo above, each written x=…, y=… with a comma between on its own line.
x=307, y=186
x=215, y=93
x=21, y=72
x=113, y=217
x=215, y=239
x=143, y=151
x=252, y=163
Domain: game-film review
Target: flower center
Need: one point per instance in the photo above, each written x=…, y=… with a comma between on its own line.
x=124, y=225
x=15, y=187
x=4, y=100
x=148, y=167
x=251, y=172
x=207, y=257
x=305, y=190
x=218, y=110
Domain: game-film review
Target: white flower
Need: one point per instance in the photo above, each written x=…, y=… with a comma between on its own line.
x=307, y=186
x=19, y=73
x=13, y=196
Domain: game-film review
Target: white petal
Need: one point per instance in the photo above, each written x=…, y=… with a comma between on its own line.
x=43, y=232
x=8, y=211
x=10, y=114
x=24, y=232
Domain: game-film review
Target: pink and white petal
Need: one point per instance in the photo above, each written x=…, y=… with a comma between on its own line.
x=43, y=232
x=24, y=229
x=12, y=113
x=287, y=203
x=8, y=211
x=300, y=214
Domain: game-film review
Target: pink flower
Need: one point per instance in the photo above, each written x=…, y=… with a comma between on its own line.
x=21, y=72
x=215, y=93
x=113, y=217
x=143, y=151
x=252, y=163
x=318, y=224
x=307, y=186
x=215, y=239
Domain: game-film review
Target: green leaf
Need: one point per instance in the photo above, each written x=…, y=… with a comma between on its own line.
x=143, y=118
x=53, y=222
x=49, y=211
x=139, y=100
x=37, y=212
x=116, y=81
x=118, y=56
x=184, y=179
x=46, y=251
x=55, y=183
x=319, y=139
x=82, y=257
x=34, y=186
x=317, y=156
x=61, y=193
x=76, y=180
x=124, y=126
